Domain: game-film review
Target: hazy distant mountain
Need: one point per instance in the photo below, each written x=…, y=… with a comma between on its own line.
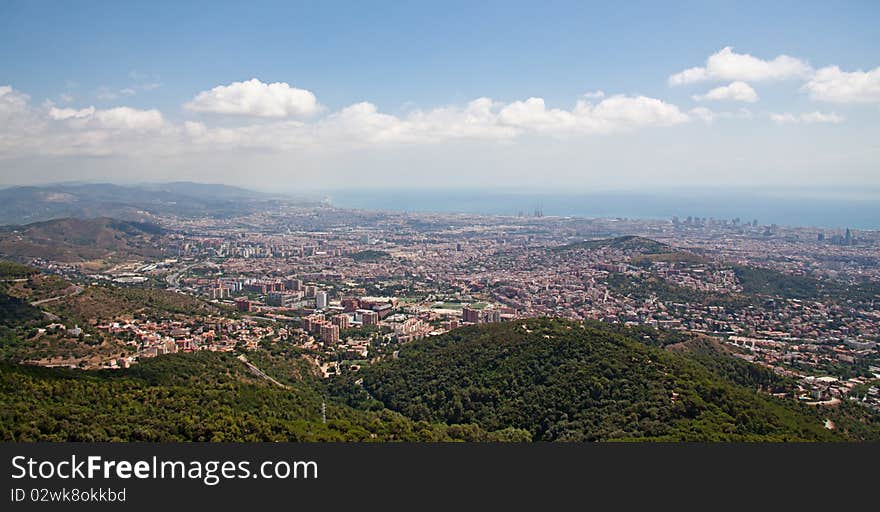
x=27, y=204
x=73, y=240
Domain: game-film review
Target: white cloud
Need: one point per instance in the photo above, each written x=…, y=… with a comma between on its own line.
x=594, y=95
x=703, y=114
x=532, y=114
x=614, y=114
x=127, y=118
x=783, y=118
x=123, y=130
x=257, y=99
x=736, y=91
x=727, y=65
x=833, y=85
x=627, y=112
x=117, y=118
x=60, y=114
x=819, y=117
x=806, y=118
x=11, y=100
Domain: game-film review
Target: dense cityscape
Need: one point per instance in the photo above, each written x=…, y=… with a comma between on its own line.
x=352, y=287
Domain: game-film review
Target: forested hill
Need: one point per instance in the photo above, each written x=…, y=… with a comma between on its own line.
x=198, y=397
x=568, y=381
x=624, y=243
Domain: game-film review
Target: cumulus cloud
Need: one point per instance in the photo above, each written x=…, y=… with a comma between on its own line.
x=257, y=99
x=60, y=114
x=833, y=85
x=127, y=118
x=806, y=118
x=51, y=129
x=736, y=91
x=614, y=114
x=11, y=100
x=727, y=65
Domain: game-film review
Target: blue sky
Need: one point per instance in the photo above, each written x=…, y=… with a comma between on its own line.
x=403, y=57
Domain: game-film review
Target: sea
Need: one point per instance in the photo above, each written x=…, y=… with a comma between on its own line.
x=830, y=209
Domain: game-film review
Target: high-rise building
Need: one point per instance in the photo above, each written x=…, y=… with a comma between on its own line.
x=243, y=304
x=330, y=334
x=369, y=317
x=342, y=321
x=320, y=300
x=470, y=315
x=311, y=290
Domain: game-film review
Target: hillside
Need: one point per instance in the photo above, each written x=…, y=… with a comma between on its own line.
x=194, y=397
x=31, y=301
x=76, y=240
x=763, y=281
x=28, y=204
x=565, y=381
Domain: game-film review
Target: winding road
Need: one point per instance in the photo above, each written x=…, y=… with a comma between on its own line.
x=76, y=291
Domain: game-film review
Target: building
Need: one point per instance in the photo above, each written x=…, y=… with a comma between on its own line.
x=312, y=323
x=243, y=304
x=330, y=334
x=341, y=321
x=320, y=300
x=350, y=304
x=450, y=324
x=368, y=317
x=219, y=293
x=470, y=315
x=275, y=299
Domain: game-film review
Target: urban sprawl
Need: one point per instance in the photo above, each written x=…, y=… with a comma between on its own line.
x=350, y=286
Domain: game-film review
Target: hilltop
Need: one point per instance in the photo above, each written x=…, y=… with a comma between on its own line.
x=566, y=381
x=623, y=243
x=76, y=240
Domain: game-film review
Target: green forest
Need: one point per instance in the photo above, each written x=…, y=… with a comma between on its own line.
x=565, y=381
x=195, y=397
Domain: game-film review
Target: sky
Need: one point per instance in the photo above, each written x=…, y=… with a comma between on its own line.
x=578, y=95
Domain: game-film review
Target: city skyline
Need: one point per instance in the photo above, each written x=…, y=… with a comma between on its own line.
x=296, y=98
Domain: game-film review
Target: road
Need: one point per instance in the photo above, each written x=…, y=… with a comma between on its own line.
x=258, y=372
x=173, y=279
x=76, y=291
